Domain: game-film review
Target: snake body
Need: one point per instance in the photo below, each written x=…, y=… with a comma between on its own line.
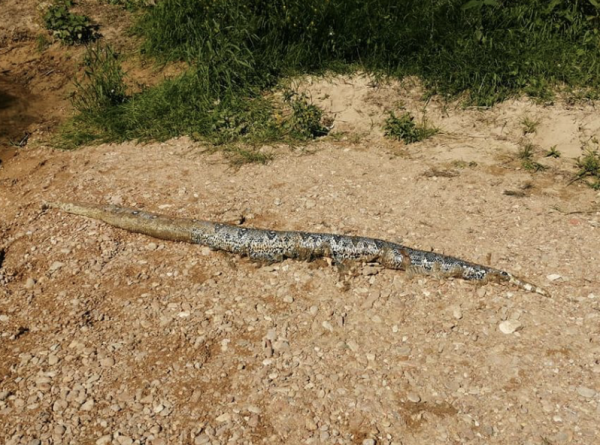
x=274, y=246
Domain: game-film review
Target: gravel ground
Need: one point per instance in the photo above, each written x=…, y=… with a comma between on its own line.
x=109, y=337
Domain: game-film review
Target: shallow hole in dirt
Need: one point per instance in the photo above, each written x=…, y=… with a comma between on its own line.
x=19, y=109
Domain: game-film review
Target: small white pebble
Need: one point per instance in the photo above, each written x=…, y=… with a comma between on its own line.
x=509, y=326
x=413, y=397
x=588, y=393
x=224, y=418
x=88, y=405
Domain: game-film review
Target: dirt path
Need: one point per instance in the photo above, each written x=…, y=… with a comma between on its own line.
x=112, y=337
x=108, y=337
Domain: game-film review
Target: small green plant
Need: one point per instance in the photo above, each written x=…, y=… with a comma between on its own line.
x=306, y=121
x=99, y=93
x=70, y=28
x=553, y=152
x=525, y=154
x=529, y=125
x=589, y=169
x=533, y=166
x=41, y=42
x=404, y=128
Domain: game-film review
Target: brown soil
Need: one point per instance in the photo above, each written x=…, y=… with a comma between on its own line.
x=113, y=337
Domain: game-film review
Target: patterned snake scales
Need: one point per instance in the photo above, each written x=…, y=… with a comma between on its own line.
x=273, y=246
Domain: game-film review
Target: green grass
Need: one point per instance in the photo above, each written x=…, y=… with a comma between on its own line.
x=189, y=104
x=238, y=51
x=404, y=128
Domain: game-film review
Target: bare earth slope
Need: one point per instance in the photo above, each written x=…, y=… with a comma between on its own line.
x=113, y=337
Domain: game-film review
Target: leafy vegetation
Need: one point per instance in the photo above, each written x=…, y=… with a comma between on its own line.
x=188, y=104
x=553, y=152
x=68, y=27
x=525, y=154
x=238, y=51
x=306, y=120
x=589, y=169
x=404, y=128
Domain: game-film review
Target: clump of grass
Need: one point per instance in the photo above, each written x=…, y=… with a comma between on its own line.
x=525, y=154
x=404, y=128
x=529, y=125
x=68, y=27
x=589, y=169
x=553, y=152
x=102, y=86
x=306, y=120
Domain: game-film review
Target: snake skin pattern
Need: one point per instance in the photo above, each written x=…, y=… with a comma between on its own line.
x=274, y=246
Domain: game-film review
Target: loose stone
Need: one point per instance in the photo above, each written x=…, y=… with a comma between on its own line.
x=509, y=326
x=413, y=397
x=588, y=393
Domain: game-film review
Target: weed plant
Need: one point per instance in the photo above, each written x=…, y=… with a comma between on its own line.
x=68, y=27
x=589, y=169
x=529, y=125
x=404, y=128
x=553, y=152
x=306, y=119
x=525, y=154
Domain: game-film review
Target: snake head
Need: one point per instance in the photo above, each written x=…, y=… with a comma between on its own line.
x=498, y=276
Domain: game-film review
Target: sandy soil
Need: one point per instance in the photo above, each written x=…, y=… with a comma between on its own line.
x=109, y=337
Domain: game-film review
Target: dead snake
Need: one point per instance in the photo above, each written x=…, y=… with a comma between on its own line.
x=274, y=246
